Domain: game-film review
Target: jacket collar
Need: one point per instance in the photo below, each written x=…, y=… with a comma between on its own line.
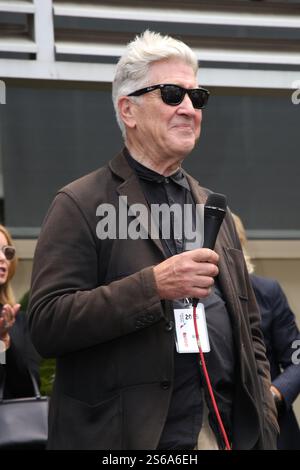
x=120, y=167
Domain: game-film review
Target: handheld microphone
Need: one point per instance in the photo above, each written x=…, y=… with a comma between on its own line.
x=214, y=213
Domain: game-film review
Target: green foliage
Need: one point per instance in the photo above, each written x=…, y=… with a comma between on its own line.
x=47, y=372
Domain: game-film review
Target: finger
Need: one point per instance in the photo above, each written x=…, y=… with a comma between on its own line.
x=199, y=293
x=5, y=325
x=16, y=308
x=2, y=322
x=205, y=255
x=5, y=313
x=8, y=313
x=205, y=269
x=203, y=282
x=5, y=308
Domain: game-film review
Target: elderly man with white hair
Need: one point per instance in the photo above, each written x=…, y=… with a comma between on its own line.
x=107, y=294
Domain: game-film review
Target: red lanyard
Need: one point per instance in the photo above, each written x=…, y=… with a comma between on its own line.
x=207, y=379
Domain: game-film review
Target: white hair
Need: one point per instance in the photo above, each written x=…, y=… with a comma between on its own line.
x=133, y=67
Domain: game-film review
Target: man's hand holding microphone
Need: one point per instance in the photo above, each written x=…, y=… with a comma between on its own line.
x=188, y=274
x=191, y=274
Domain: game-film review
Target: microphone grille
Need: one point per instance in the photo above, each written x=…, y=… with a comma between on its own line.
x=217, y=200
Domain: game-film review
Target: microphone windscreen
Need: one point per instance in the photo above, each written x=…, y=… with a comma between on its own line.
x=216, y=200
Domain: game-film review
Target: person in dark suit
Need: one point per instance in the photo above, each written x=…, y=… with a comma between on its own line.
x=104, y=286
x=282, y=337
x=18, y=353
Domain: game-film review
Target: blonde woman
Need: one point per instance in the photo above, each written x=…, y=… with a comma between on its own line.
x=17, y=353
x=9, y=308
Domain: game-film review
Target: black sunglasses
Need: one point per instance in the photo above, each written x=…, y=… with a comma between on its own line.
x=8, y=251
x=174, y=94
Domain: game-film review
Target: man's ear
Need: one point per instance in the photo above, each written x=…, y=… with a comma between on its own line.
x=127, y=111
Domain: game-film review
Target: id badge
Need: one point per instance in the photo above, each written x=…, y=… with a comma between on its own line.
x=186, y=341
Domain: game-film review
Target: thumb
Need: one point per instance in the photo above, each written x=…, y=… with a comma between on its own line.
x=16, y=308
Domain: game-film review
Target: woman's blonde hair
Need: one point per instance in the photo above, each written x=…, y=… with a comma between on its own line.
x=243, y=239
x=6, y=292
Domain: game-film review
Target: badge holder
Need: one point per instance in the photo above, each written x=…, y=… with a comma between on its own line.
x=185, y=339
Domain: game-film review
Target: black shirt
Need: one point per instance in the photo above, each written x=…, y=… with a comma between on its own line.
x=184, y=418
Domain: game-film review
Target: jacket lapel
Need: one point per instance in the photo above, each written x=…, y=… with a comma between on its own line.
x=130, y=189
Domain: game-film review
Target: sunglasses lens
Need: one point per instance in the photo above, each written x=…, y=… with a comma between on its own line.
x=199, y=98
x=9, y=252
x=172, y=94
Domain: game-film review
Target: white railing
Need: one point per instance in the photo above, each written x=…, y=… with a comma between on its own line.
x=53, y=52
x=194, y=12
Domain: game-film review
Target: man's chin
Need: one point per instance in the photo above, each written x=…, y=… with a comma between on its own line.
x=185, y=146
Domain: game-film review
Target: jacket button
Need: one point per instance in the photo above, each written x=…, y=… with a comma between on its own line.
x=165, y=385
x=169, y=326
x=138, y=324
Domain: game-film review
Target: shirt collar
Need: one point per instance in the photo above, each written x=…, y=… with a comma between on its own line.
x=149, y=175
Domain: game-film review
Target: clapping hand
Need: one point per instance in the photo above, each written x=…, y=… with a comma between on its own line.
x=7, y=319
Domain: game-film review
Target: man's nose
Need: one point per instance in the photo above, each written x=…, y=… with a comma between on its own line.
x=186, y=105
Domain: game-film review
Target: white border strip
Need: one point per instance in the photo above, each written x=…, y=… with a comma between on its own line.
x=104, y=73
